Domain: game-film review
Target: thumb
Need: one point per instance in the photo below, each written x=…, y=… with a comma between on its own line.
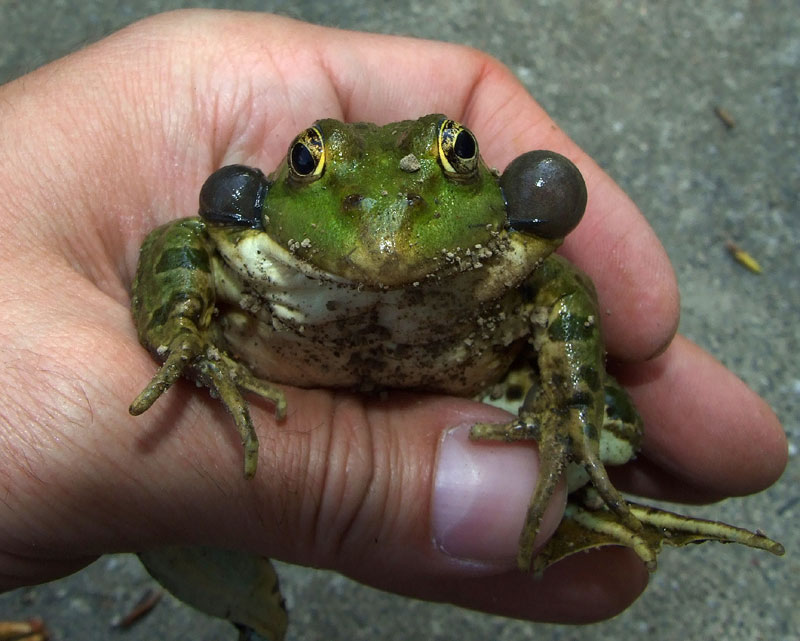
x=395, y=485
x=392, y=493
x=370, y=487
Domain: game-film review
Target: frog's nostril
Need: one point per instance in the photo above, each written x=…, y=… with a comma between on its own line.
x=414, y=200
x=352, y=202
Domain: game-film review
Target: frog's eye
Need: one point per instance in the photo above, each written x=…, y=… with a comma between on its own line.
x=234, y=195
x=458, y=150
x=306, y=156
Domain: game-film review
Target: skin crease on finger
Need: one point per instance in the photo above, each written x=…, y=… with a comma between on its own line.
x=159, y=181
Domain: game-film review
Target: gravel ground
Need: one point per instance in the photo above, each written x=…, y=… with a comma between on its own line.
x=636, y=84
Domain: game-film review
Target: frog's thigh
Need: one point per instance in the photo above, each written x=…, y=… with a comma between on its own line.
x=174, y=304
x=173, y=301
x=564, y=413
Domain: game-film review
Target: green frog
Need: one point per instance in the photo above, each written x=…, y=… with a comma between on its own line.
x=385, y=257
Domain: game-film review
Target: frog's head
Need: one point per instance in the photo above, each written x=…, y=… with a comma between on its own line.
x=391, y=205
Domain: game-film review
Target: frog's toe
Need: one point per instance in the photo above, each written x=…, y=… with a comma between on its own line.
x=181, y=351
x=584, y=528
x=224, y=383
x=266, y=390
x=553, y=453
x=148, y=396
x=517, y=430
x=227, y=378
x=607, y=493
x=588, y=523
x=661, y=526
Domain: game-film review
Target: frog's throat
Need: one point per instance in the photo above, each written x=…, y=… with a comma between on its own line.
x=296, y=324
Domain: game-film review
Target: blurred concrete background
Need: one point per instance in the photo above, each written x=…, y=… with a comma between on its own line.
x=636, y=84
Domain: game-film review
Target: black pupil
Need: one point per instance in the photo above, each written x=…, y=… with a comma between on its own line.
x=302, y=160
x=465, y=145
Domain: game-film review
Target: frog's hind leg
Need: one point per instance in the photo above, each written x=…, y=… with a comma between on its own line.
x=557, y=449
x=563, y=408
x=174, y=305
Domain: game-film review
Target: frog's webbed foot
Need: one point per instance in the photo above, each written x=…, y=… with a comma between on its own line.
x=558, y=445
x=589, y=524
x=191, y=355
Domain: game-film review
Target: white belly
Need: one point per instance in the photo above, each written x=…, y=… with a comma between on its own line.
x=293, y=324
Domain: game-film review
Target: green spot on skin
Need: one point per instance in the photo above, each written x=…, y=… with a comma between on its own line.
x=571, y=327
x=183, y=257
x=162, y=314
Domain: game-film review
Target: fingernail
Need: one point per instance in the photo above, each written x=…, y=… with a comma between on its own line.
x=480, y=497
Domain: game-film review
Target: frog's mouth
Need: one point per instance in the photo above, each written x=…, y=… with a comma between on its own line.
x=292, y=285
x=257, y=257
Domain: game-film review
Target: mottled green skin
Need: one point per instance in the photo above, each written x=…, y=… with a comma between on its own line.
x=504, y=320
x=363, y=159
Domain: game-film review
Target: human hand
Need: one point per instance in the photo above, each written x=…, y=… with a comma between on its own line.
x=104, y=145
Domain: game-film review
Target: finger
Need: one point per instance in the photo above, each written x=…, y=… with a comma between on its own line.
x=399, y=476
x=360, y=494
x=704, y=428
x=646, y=478
x=584, y=588
x=19, y=569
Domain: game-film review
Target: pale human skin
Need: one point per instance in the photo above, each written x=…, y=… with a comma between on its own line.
x=102, y=146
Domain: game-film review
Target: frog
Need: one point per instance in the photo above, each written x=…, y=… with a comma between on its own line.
x=385, y=257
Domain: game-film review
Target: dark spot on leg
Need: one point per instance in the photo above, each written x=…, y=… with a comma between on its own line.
x=589, y=374
x=580, y=399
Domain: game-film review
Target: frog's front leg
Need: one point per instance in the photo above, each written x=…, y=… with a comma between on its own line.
x=173, y=307
x=564, y=406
